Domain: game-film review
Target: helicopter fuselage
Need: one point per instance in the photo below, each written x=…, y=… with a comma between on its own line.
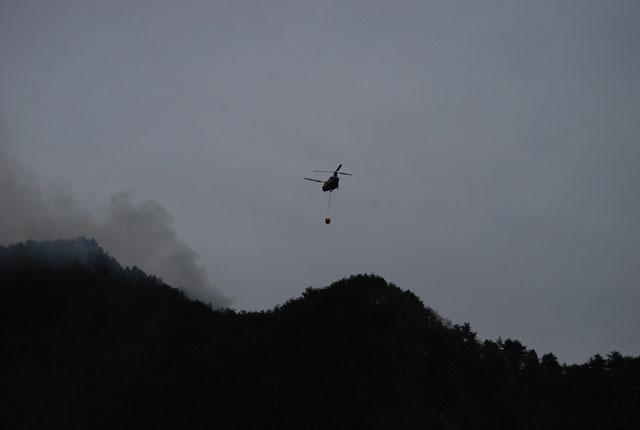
x=331, y=183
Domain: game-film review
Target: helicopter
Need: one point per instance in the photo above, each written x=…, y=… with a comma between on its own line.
x=331, y=183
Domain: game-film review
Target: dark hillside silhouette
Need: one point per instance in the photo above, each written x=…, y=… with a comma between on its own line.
x=87, y=343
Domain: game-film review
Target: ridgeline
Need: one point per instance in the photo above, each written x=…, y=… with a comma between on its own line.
x=87, y=343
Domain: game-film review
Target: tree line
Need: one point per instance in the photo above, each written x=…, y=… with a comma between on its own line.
x=88, y=343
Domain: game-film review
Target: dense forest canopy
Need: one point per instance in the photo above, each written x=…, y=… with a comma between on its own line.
x=90, y=344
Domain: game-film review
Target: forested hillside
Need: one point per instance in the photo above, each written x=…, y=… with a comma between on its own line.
x=87, y=343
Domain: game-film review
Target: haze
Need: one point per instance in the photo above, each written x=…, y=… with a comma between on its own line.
x=494, y=147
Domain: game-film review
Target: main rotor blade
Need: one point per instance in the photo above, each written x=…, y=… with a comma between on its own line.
x=314, y=180
x=339, y=167
x=328, y=171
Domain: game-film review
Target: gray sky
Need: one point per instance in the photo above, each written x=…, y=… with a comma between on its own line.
x=494, y=145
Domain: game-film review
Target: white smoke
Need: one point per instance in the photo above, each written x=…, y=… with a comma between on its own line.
x=135, y=233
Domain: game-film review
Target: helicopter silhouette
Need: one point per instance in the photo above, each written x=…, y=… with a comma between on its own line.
x=331, y=183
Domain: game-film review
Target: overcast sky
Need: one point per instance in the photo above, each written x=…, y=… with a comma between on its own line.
x=494, y=145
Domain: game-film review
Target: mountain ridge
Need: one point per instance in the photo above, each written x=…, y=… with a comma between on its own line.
x=90, y=343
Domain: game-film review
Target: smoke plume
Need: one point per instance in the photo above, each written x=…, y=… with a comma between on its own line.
x=136, y=233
